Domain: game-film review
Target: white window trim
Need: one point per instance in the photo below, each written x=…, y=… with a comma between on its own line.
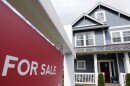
x=103, y=14
x=110, y=68
x=84, y=65
x=92, y=32
x=121, y=34
x=119, y=27
x=104, y=37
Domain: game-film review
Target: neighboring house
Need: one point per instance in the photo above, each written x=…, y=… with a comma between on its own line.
x=101, y=39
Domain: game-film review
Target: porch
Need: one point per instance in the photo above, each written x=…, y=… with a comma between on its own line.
x=113, y=65
x=90, y=79
x=106, y=84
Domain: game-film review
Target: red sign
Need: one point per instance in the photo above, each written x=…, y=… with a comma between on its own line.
x=26, y=58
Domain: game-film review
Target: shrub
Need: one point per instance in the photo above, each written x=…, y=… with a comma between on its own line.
x=128, y=79
x=101, y=81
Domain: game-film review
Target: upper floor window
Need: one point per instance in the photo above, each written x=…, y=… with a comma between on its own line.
x=116, y=37
x=84, y=39
x=126, y=36
x=120, y=36
x=79, y=40
x=81, y=64
x=100, y=15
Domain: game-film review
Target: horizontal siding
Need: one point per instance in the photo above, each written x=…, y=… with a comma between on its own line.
x=112, y=17
x=99, y=38
x=85, y=21
x=121, y=62
x=99, y=41
x=89, y=64
x=107, y=37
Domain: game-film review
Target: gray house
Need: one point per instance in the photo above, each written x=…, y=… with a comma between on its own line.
x=101, y=39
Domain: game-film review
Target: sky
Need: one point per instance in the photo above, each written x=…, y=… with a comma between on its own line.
x=69, y=10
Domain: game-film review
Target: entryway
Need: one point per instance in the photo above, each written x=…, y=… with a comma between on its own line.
x=108, y=68
x=104, y=67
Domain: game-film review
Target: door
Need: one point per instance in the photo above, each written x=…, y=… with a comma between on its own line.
x=104, y=67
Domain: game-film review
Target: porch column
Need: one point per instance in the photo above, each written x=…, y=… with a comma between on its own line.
x=69, y=79
x=127, y=62
x=95, y=68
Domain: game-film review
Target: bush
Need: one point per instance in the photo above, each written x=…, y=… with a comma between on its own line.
x=101, y=81
x=128, y=79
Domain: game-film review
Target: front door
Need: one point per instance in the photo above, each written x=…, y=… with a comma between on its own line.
x=104, y=67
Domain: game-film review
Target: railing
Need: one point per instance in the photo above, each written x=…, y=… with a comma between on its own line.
x=122, y=79
x=85, y=78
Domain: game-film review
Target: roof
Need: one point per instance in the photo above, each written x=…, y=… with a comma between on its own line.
x=84, y=14
x=107, y=6
x=107, y=48
x=89, y=27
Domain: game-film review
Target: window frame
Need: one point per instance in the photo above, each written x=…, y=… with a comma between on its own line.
x=101, y=11
x=114, y=37
x=78, y=65
x=84, y=38
x=125, y=36
x=121, y=35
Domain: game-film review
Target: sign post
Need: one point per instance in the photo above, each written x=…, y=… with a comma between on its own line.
x=26, y=58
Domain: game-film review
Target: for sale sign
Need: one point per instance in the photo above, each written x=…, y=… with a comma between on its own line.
x=26, y=58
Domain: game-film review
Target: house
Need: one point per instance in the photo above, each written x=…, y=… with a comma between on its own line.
x=101, y=39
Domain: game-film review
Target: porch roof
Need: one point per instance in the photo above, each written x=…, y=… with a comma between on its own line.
x=104, y=49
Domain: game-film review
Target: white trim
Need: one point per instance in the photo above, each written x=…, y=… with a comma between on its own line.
x=85, y=25
x=110, y=69
x=117, y=63
x=104, y=15
x=127, y=62
x=114, y=68
x=124, y=65
x=99, y=3
x=95, y=68
x=95, y=63
x=119, y=27
x=84, y=38
x=84, y=65
x=98, y=66
x=121, y=35
x=84, y=14
x=107, y=6
x=119, y=15
x=104, y=37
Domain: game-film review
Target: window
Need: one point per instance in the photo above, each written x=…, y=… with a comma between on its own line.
x=81, y=64
x=79, y=40
x=84, y=39
x=100, y=15
x=89, y=39
x=116, y=37
x=126, y=36
x=120, y=36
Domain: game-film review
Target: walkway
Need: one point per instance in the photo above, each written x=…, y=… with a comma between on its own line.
x=111, y=84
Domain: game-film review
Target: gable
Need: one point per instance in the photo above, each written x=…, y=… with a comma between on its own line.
x=84, y=21
x=113, y=17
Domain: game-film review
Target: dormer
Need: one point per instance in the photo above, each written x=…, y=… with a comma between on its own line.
x=100, y=15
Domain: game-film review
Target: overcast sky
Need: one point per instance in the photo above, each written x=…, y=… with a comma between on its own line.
x=69, y=10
